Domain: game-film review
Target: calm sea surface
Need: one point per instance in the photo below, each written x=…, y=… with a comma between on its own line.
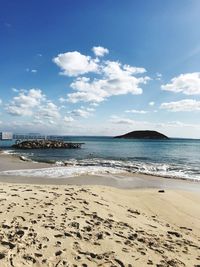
x=175, y=158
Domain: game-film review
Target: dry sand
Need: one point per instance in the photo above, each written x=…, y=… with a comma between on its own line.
x=43, y=225
x=96, y=225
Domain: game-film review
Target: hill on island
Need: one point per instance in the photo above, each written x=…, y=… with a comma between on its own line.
x=143, y=135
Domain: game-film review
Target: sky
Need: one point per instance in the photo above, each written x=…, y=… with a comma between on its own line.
x=106, y=67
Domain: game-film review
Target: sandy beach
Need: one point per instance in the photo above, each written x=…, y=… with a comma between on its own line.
x=84, y=224
x=100, y=133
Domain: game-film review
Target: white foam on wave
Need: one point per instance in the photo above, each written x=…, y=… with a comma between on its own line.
x=156, y=169
x=22, y=156
x=8, y=152
x=62, y=172
x=96, y=166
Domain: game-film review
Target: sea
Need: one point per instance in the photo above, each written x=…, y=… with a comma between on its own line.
x=173, y=158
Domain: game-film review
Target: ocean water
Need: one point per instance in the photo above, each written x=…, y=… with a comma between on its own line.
x=173, y=158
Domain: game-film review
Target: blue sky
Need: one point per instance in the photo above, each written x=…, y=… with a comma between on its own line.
x=100, y=67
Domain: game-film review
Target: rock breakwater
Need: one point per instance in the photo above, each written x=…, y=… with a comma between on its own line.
x=44, y=144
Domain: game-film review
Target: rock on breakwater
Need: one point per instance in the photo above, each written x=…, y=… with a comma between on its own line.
x=44, y=144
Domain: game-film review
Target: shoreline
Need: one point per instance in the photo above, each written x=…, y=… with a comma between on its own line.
x=13, y=162
x=119, y=180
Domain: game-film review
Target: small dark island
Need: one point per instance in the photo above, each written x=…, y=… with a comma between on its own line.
x=143, y=135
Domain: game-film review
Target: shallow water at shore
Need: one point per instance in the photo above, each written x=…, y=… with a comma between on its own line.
x=174, y=158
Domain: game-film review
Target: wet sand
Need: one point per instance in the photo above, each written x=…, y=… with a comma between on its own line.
x=13, y=162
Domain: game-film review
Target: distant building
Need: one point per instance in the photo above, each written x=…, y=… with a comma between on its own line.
x=6, y=136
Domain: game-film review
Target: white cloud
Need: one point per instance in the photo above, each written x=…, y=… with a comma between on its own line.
x=82, y=112
x=31, y=70
x=111, y=77
x=33, y=103
x=94, y=104
x=188, y=84
x=49, y=111
x=132, y=124
x=34, y=71
x=179, y=124
x=134, y=70
x=90, y=109
x=158, y=76
x=15, y=90
x=100, y=51
x=115, y=69
x=84, y=97
x=152, y=103
x=118, y=120
x=1, y=101
x=68, y=119
x=87, y=91
x=62, y=100
x=25, y=102
x=124, y=121
x=182, y=105
x=136, y=111
x=74, y=63
x=116, y=79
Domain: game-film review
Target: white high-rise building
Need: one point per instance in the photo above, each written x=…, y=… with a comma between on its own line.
x=6, y=136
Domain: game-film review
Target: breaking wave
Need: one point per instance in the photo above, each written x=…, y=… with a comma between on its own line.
x=74, y=167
